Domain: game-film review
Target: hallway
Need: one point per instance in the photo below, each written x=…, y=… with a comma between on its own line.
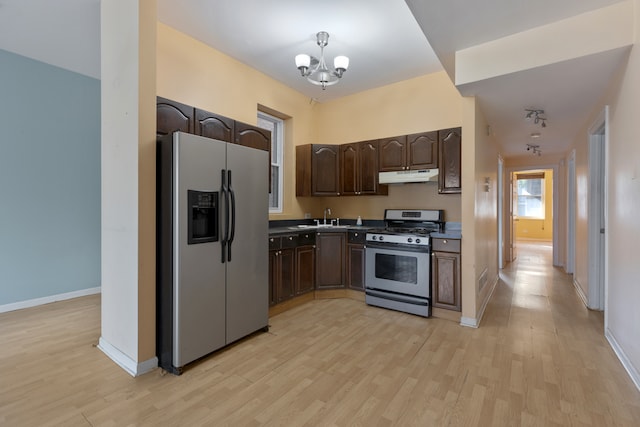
x=539, y=358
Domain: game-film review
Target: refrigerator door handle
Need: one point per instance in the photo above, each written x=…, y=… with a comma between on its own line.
x=233, y=217
x=225, y=237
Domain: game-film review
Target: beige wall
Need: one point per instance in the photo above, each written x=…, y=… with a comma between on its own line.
x=193, y=73
x=421, y=104
x=190, y=72
x=539, y=229
x=622, y=316
x=479, y=213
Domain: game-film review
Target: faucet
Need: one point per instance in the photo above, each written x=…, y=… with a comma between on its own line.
x=326, y=211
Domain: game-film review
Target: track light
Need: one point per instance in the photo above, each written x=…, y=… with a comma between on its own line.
x=535, y=149
x=537, y=116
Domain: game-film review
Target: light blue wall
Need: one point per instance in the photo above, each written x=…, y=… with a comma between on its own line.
x=49, y=180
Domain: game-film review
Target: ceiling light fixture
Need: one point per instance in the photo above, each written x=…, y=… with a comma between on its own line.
x=537, y=116
x=535, y=149
x=316, y=70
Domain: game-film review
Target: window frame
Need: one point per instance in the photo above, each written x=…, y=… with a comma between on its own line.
x=277, y=146
x=531, y=176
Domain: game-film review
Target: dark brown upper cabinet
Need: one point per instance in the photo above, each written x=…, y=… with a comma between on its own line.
x=173, y=116
x=359, y=169
x=252, y=136
x=214, y=126
x=416, y=151
x=317, y=170
x=450, y=160
x=393, y=153
x=422, y=150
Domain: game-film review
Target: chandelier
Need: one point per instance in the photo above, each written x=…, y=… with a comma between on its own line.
x=316, y=70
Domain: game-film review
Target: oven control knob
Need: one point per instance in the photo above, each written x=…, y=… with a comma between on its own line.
x=409, y=240
x=417, y=240
x=380, y=238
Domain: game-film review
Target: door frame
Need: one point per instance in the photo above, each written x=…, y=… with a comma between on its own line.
x=571, y=213
x=500, y=187
x=597, y=224
x=555, y=208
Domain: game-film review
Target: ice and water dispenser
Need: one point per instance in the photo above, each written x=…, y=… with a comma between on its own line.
x=203, y=217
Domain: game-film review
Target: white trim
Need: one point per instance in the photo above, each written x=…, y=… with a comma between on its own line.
x=49, y=299
x=598, y=141
x=475, y=322
x=631, y=370
x=571, y=213
x=469, y=322
x=580, y=292
x=125, y=362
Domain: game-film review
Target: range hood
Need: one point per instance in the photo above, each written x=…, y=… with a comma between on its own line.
x=399, y=177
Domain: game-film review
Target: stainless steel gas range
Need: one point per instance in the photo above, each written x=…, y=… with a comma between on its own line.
x=398, y=260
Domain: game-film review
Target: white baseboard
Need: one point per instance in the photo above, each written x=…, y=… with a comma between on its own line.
x=580, y=292
x=472, y=322
x=132, y=367
x=49, y=299
x=631, y=370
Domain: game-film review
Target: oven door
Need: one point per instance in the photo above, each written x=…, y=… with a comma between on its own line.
x=404, y=270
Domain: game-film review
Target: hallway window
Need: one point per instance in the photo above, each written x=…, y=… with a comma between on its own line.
x=531, y=195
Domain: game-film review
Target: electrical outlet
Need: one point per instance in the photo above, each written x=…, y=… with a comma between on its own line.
x=307, y=215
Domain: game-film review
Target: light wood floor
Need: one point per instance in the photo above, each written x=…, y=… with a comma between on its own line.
x=539, y=358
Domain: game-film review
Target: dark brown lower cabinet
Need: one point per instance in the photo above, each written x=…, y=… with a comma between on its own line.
x=355, y=260
x=445, y=273
x=282, y=262
x=330, y=270
x=305, y=269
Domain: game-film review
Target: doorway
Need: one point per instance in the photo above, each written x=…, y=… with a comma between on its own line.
x=597, y=221
x=516, y=221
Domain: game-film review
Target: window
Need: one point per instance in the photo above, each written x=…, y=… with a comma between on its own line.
x=276, y=126
x=531, y=195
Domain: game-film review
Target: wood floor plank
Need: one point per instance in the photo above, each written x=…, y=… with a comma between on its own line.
x=539, y=358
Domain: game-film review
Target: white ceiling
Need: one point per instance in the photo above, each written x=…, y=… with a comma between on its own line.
x=385, y=41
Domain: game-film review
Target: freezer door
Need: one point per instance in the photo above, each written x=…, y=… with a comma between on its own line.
x=248, y=270
x=199, y=274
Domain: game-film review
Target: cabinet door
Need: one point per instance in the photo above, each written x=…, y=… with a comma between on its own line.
x=325, y=170
x=330, y=258
x=349, y=170
x=368, y=155
x=449, y=159
x=287, y=274
x=355, y=267
x=305, y=269
x=445, y=270
x=173, y=116
x=213, y=126
x=422, y=150
x=274, y=276
x=393, y=154
x=252, y=136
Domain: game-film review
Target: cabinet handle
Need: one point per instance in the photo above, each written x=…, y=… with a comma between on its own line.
x=444, y=241
x=271, y=240
x=433, y=254
x=355, y=234
x=290, y=237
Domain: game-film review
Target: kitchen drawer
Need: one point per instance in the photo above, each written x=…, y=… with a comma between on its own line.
x=274, y=242
x=289, y=241
x=357, y=237
x=445, y=245
x=306, y=239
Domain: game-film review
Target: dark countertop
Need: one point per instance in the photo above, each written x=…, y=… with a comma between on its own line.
x=453, y=230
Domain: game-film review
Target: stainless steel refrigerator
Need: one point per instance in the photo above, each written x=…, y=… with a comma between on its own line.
x=212, y=272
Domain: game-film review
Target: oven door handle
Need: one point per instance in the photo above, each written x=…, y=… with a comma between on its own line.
x=395, y=247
